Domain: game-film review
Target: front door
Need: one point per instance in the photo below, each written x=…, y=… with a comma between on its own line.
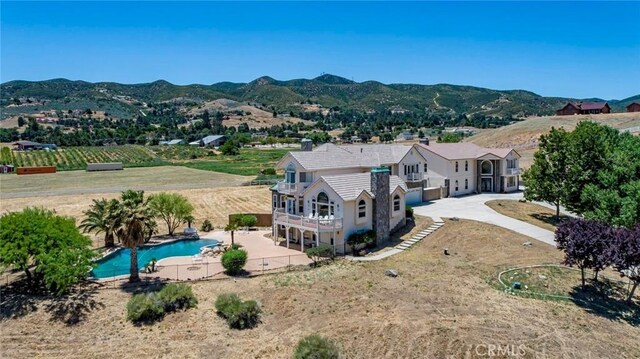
x=486, y=185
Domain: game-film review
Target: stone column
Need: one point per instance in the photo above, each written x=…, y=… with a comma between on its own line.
x=381, y=203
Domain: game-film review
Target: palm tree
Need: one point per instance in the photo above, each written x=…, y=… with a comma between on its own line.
x=231, y=227
x=134, y=224
x=99, y=219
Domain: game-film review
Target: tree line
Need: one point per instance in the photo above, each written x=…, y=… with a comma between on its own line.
x=593, y=171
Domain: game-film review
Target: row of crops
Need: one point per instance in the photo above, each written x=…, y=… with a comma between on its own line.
x=76, y=158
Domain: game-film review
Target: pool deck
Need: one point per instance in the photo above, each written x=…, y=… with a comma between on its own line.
x=263, y=255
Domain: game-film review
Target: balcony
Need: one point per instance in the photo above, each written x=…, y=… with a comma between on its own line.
x=307, y=223
x=512, y=171
x=414, y=177
x=292, y=188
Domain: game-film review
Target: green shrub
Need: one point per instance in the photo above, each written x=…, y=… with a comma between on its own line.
x=234, y=260
x=316, y=347
x=248, y=221
x=361, y=240
x=320, y=252
x=177, y=296
x=206, y=226
x=145, y=307
x=239, y=314
x=408, y=211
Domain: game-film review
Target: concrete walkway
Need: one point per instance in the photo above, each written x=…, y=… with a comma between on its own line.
x=473, y=207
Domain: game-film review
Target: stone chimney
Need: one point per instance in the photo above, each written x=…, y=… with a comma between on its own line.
x=424, y=141
x=380, y=189
x=306, y=145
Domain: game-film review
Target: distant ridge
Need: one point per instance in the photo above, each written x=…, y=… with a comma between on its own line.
x=329, y=91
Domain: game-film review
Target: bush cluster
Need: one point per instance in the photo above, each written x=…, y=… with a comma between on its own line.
x=234, y=260
x=149, y=307
x=238, y=313
x=145, y=307
x=361, y=240
x=320, y=252
x=408, y=210
x=316, y=347
x=206, y=226
x=177, y=297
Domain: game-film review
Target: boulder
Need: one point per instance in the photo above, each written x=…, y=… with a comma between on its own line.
x=391, y=273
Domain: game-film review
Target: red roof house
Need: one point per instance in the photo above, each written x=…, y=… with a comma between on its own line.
x=584, y=108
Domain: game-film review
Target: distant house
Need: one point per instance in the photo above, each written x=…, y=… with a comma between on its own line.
x=209, y=141
x=633, y=107
x=405, y=136
x=171, y=143
x=584, y=108
x=6, y=168
x=26, y=145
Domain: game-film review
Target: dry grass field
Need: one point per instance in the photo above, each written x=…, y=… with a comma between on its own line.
x=438, y=307
x=214, y=195
x=523, y=136
x=144, y=178
x=535, y=214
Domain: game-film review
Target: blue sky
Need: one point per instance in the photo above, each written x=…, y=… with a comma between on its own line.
x=552, y=48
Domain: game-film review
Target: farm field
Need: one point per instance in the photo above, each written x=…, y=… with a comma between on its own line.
x=82, y=182
x=523, y=135
x=439, y=306
x=213, y=203
x=248, y=163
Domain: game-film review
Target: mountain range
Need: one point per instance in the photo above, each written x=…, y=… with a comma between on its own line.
x=124, y=100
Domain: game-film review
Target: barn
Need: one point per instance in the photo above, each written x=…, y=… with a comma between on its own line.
x=584, y=108
x=633, y=107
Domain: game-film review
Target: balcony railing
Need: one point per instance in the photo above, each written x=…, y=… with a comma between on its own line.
x=513, y=171
x=305, y=222
x=414, y=177
x=292, y=188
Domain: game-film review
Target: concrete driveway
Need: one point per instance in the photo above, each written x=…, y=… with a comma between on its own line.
x=473, y=207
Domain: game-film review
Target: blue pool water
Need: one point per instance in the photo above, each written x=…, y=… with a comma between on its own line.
x=118, y=262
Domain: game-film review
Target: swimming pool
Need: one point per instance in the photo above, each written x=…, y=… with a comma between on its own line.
x=117, y=263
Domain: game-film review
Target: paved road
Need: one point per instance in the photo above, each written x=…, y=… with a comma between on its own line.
x=473, y=207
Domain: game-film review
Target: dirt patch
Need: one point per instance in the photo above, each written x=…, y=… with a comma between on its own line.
x=535, y=214
x=439, y=306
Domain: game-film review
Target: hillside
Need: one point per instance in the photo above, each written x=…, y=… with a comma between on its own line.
x=523, y=135
x=123, y=101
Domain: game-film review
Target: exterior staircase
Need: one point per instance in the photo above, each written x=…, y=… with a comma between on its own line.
x=421, y=235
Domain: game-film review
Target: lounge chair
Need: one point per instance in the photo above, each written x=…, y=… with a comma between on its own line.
x=197, y=258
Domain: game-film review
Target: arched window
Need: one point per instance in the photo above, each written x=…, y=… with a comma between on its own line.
x=362, y=209
x=466, y=166
x=466, y=184
x=456, y=166
x=323, y=198
x=396, y=203
x=290, y=173
x=323, y=204
x=486, y=168
x=456, y=185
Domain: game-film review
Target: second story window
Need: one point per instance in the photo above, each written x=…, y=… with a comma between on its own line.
x=362, y=209
x=466, y=166
x=456, y=166
x=425, y=167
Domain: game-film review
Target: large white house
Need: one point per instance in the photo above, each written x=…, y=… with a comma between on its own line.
x=464, y=168
x=332, y=192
